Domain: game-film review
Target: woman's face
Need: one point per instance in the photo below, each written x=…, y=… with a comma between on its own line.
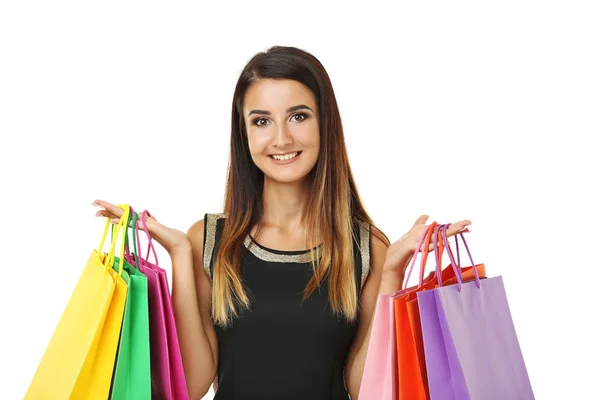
x=282, y=121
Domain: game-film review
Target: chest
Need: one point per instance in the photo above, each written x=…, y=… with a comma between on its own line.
x=278, y=305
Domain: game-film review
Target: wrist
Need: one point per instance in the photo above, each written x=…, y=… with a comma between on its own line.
x=182, y=250
x=391, y=281
x=183, y=247
x=392, y=268
x=392, y=276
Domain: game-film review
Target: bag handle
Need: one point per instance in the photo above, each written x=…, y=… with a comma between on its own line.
x=106, y=226
x=456, y=272
x=130, y=227
x=423, y=245
x=123, y=231
x=134, y=223
x=145, y=213
x=136, y=239
x=440, y=231
x=110, y=259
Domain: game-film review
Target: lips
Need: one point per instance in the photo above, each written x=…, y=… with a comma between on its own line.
x=286, y=155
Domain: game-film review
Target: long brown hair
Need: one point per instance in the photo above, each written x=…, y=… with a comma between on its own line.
x=333, y=205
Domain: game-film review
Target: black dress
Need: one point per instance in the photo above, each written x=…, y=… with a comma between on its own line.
x=283, y=348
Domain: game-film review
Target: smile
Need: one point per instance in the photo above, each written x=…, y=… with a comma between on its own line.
x=285, y=157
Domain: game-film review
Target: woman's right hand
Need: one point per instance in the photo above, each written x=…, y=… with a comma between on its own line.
x=172, y=240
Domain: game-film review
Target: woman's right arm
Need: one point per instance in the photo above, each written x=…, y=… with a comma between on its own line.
x=191, y=295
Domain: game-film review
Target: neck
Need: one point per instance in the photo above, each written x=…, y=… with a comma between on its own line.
x=284, y=204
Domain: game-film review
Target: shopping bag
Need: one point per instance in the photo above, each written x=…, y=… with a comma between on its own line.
x=96, y=383
x=159, y=371
x=380, y=376
x=410, y=385
x=413, y=382
x=168, y=379
x=79, y=359
x=132, y=370
x=471, y=347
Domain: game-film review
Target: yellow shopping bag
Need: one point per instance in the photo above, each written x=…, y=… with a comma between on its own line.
x=79, y=359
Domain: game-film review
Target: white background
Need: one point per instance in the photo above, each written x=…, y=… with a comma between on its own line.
x=479, y=110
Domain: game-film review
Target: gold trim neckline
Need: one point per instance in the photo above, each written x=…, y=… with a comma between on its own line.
x=270, y=256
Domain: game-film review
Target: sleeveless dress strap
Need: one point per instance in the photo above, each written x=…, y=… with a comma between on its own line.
x=365, y=251
x=211, y=234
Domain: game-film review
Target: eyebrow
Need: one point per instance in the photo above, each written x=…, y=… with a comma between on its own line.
x=294, y=108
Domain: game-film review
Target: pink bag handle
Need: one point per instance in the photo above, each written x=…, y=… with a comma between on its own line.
x=145, y=213
x=139, y=243
x=420, y=246
x=414, y=259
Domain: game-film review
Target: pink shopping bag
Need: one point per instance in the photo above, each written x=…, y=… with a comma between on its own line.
x=380, y=374
x=168, y=378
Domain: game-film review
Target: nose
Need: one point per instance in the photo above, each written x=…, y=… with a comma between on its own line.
x=282, y=136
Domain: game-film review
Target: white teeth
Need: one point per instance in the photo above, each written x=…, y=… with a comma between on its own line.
x=285, y=157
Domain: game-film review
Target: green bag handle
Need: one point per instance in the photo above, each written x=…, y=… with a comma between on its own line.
x=131, y=227
x=134, y=234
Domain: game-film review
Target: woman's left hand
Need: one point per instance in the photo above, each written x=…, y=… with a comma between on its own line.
x=400, y=253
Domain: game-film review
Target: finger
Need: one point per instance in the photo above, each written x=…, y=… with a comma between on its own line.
x=138, y=224
x=440, y=244
x=105, y=213
x=458, y=227
x=115, y=210
x=113, y=218
x=421, y=220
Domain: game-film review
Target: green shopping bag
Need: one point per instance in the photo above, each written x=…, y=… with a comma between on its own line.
x=131, y=378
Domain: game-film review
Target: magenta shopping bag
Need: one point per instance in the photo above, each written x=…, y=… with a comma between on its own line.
x=168, y=379
x=471, y=346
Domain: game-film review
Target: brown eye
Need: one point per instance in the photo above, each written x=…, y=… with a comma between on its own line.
x=303, y=115
x=256, y=121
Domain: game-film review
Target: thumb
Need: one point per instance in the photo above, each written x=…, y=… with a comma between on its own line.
x=421, y=220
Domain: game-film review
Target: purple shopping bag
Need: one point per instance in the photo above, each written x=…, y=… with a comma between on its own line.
x=471, y=346
x=168, y=379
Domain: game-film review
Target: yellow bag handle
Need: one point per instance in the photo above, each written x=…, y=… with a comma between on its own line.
x=110, y=259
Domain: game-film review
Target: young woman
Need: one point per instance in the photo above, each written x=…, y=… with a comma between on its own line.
x=274, y=296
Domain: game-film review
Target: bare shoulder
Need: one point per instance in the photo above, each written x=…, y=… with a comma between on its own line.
x=196, y=235
x=196, y=231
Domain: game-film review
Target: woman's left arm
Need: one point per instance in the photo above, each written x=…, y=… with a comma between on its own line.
x=388, y=265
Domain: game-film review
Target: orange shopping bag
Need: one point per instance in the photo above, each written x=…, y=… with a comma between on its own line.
x=407, y=362
x=412, y=374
